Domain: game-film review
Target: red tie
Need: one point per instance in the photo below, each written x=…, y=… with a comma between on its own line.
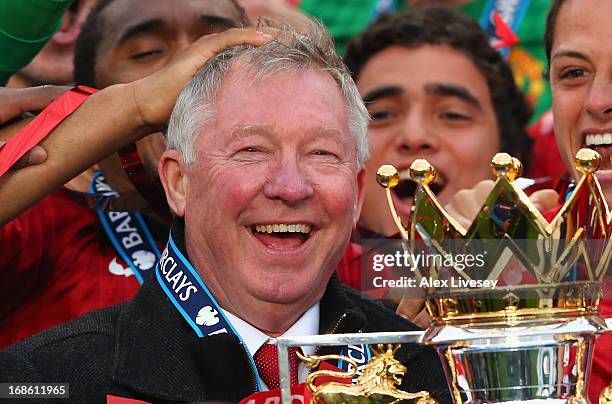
x=266, y=360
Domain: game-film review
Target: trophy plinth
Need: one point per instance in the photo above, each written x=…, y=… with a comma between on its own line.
x=530, y=337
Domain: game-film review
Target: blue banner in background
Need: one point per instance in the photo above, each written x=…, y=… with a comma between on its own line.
x=511, y=11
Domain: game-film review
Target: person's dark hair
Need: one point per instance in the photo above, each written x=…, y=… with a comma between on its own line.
x=444, y=26
x=86, y=48
x=551, y=23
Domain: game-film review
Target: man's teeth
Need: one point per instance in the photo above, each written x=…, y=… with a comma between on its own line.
x=599, y=139
x=283, y=228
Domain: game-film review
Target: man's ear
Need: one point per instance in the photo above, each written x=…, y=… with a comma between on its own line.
x=361, y=183
x=172, y=176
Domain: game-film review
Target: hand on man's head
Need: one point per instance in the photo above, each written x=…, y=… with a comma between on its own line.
x=156, y=94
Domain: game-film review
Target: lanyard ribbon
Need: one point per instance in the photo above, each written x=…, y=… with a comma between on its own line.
x=360, y=354
x=190, y=296
x=127, y=231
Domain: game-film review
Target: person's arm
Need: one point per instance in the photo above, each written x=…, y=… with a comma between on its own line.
x=16, y=101
x=110, y=120
x=25, y=27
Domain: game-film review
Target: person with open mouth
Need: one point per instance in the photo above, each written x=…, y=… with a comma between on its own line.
x=406, y=68
x=580, y=70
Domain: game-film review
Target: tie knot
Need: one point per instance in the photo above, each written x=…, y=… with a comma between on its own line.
x=266, y=360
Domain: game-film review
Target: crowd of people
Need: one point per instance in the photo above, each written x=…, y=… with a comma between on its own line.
x=206, y=185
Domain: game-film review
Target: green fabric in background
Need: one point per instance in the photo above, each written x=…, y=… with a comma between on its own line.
x=528, y=58
x=347, y=18
x=25, y=27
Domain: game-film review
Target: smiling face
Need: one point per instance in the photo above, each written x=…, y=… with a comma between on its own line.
x=270, y=202
x=581, y=83
x=422, y=108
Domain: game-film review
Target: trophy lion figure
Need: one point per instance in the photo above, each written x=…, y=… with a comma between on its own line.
x=377, y=384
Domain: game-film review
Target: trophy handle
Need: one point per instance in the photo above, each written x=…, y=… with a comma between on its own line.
x=312, y=361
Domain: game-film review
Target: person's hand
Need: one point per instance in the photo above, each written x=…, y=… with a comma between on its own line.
x=16, y=101
x=37, y=155
x=155, y=95
x=277, y=10
x=414, y=310
x=466, y=203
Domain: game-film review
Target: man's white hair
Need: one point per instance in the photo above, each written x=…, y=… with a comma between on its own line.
x=311, y=48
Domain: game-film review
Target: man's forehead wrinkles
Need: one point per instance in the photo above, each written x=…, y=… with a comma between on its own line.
x=246, y=130
x=325, y=130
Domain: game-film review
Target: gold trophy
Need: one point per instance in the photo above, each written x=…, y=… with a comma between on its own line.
x=526, y=340
x=529, y=338
x=377, y=384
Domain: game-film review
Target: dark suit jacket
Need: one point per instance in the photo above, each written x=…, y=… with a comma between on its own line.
x=144, y=349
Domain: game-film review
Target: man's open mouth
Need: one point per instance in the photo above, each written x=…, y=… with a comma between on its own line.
x=406, y=188
x=282, y=236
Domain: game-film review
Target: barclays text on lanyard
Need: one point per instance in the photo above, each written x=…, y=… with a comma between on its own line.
x=510, y=11
x=185, y=288
x=127, y=231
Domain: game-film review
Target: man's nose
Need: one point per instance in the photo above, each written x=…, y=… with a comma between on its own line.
x=599, y=98
x=416, y=137
x=289, y=183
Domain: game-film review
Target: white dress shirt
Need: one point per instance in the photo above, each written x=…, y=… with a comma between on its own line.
x=308, y=324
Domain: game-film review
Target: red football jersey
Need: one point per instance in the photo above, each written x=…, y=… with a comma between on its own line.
x=601, y=372
x=57, y=263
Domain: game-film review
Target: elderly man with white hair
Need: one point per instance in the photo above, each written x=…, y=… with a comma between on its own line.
x=264, y=173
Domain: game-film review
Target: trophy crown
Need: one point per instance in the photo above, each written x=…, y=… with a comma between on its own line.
x=587, y=161
x=507, y=166
x=571, y=253
x=388, y=176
